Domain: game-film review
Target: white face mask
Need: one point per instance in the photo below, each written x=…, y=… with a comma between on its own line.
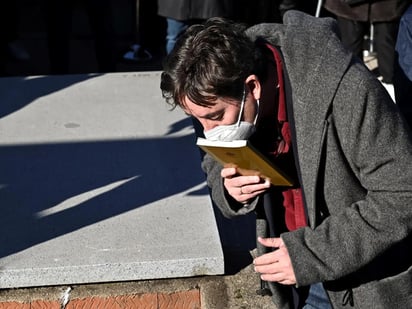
x=238, y=130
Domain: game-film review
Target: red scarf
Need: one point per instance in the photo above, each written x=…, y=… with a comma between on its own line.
x=295, y=216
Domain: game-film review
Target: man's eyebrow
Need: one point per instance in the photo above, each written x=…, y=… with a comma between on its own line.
x=211, y=115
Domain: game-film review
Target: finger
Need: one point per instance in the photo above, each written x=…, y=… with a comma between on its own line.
x=273, y=272
x=280, y=278
x=239, y=180
x=244, y=196
x=237, y=190
x=275, y=260
x=278, y=272
x=266, y=259
x=252, y=188
x=228, y=172
x=270, y=242
x=266, y=269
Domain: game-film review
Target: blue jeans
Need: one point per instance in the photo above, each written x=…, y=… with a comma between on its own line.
x=317, y=298
x=174, y=29
x=404, y=43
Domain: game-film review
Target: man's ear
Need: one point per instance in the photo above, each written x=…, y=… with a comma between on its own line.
x=254, y=86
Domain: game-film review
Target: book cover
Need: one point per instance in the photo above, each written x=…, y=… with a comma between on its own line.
x=247, y=159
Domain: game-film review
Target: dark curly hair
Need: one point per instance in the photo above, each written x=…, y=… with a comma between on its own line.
x=210, y=61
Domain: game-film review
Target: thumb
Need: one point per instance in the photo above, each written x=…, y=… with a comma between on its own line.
x=271, y=242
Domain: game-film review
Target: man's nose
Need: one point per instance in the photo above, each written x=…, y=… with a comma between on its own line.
x=208, y=125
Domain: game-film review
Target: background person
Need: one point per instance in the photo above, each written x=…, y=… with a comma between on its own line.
x=180, y=14
x=355, y=18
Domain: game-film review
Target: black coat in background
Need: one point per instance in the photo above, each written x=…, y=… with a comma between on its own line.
x=192, y=9
x=370, y=11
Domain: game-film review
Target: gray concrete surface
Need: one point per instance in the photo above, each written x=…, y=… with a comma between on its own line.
x=100, y=182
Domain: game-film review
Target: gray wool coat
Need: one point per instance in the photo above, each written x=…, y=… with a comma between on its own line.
x=354, y=156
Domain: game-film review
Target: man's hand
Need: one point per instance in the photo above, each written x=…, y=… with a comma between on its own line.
x=243, y=188
x=275, y=266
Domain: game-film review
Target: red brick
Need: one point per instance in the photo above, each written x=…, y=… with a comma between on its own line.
x=148, y=301
x=14, y=305
x=180, y=300
x=42, y=304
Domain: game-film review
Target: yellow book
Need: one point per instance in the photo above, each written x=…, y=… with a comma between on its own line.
x=246, y=158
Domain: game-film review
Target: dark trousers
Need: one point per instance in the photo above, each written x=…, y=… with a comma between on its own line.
x=59, y=23
x=8, y=29
x=385, y=33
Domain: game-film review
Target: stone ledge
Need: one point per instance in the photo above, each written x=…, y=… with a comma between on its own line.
x=93, y=187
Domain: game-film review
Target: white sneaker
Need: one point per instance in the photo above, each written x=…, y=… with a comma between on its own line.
x=137, y=53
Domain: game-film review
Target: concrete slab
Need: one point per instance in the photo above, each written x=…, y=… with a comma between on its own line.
x=99, y=182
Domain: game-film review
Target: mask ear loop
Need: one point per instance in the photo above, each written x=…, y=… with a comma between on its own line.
x=242, y=107
x=257, y=111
